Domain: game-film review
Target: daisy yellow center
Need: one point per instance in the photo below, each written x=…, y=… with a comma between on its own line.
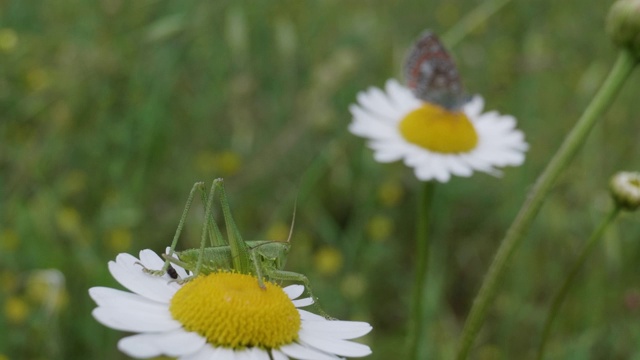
x=231, y=310
x=438, y=129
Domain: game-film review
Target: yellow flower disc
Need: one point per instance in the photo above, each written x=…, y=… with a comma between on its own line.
x=231, y=310
x=438, y=129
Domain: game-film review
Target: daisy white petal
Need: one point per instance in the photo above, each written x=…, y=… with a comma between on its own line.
x=207, y=352
x=121, y=318
x=377, y=102
x=130, y=275
x=306, y=315
x=424, y=173
x=243, y=354
x=150, y=259
x=370, y=126
x=172, y=343
x=258, y=354
x=336, y=329
x=371, y=129
x=294, y=291
x=388, y=151
x=303, y=302
x=301, y=352
x=386, y=156
x=277, y=355
x=221, y=353
x=104, y=296
x=474, y=107
x=131, y=346
x=477, y=163
x=336, y=346
x=439, y=167
x=402, y=97
x=456, y=166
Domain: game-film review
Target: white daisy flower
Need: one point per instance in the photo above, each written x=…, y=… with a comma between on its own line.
x=435, y=141
x=218, y=316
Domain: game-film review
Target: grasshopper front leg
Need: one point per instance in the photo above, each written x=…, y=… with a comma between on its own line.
x=258, y=268
x=167, y=264
x=172, y=272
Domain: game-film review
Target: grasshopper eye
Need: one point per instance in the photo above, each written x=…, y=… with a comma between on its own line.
x=172, y=272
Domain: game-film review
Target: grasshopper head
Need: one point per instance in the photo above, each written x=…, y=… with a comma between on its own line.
x=273, y=252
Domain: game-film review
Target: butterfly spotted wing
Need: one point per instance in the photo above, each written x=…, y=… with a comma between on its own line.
x=432, y=75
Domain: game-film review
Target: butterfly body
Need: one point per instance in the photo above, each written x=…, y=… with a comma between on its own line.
x=432, y=75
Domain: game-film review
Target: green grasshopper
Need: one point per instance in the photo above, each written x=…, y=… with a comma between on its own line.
x=263, y=259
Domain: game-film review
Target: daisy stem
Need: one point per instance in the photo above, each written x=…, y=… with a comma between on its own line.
x=562, y=293
x=416, y=330
x=601, y=101
x=472, y=20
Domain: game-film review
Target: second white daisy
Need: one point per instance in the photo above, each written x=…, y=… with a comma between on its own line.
x=435, y=141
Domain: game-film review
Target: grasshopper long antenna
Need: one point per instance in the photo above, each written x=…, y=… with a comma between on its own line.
x=293, y=219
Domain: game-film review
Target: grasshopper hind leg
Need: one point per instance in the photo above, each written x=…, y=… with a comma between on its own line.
x=282, y=275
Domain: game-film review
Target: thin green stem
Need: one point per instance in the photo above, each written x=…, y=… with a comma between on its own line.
x=568, y=281
x=472, y=20
x=603, y=98
x=416, y=330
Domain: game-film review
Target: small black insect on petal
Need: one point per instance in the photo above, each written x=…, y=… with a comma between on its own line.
x=172, y=272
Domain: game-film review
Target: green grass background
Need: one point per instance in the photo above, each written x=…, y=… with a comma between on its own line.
x=110, y=110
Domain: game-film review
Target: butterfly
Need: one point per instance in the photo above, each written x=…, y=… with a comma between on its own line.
x=432, y=75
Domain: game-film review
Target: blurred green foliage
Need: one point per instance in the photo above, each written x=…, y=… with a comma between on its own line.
x=110, y=110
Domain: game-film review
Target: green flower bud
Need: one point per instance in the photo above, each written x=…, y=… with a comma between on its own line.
x=625, y=189
x=623, y=24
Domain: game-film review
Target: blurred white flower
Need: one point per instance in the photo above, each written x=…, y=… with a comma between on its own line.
x=435, y=141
